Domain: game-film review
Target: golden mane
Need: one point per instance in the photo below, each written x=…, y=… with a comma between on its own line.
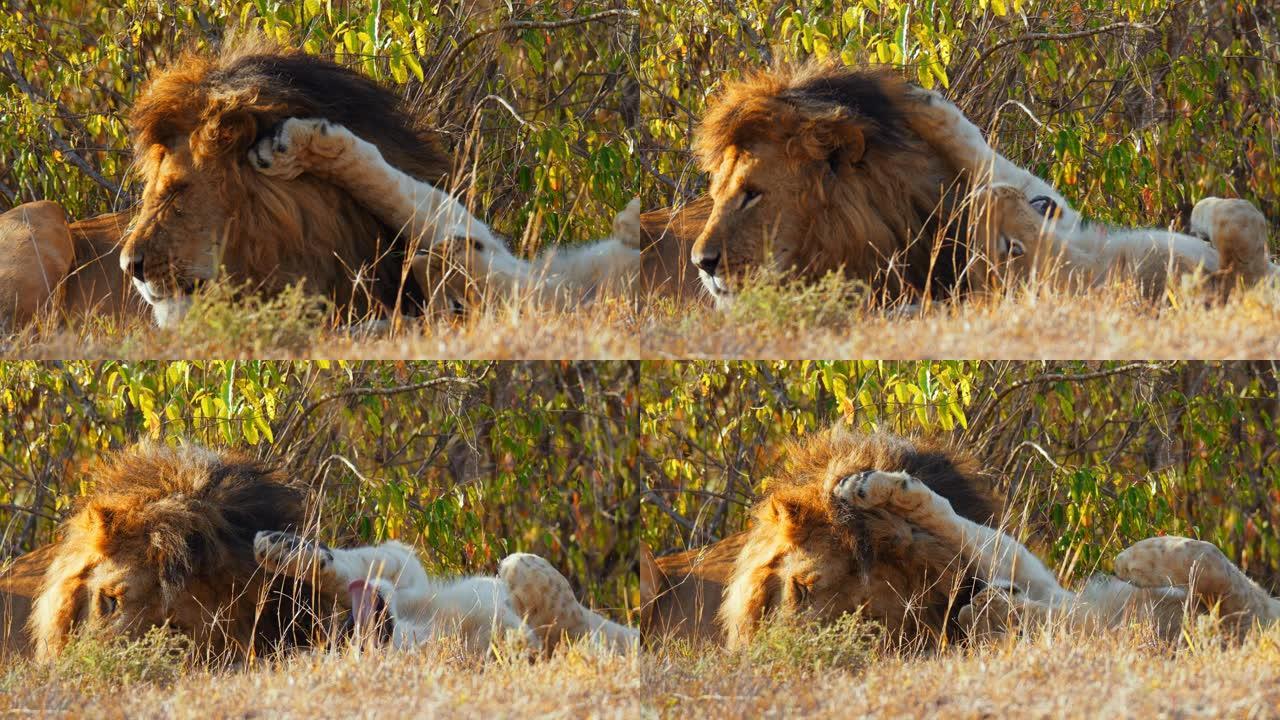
x=176, y=525
x=271, y=233
x=881, y=213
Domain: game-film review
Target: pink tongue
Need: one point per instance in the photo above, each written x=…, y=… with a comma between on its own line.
x=365, y=603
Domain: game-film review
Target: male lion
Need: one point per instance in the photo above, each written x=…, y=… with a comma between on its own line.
x=1023, y=228
x=815, y=169
x=165, y=538
x=898, y=528
x=202, y=542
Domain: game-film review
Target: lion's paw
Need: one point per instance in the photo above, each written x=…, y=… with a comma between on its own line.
x=290, y=554
x=626, y=226
x=1173, y=562
x=299, y=145
x=991, y=613
x=540, y=594
x=876, y=488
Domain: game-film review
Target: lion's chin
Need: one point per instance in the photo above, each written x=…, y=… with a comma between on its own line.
x=718, y=288
x=170, y=311
x=167, y=311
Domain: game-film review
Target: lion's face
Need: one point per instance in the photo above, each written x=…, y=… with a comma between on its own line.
x=181, y=230
x=811, y=554
x=761, y=202
x=115, y=596
x=814, y=170
x=799, y=561
x=164, y=541
x=108, y=583
x=1014, y=239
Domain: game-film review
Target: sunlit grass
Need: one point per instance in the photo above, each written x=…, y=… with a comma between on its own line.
x=828, y=320
x=1051, y=675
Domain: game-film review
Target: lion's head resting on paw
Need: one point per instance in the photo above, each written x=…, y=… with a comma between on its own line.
x=204, y=209
x=1012, y=240
x=806, y=555
x=813, y=169
x=165, y=538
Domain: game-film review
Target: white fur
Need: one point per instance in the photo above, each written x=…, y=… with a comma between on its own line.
x=1093, y=250
x=530, y=603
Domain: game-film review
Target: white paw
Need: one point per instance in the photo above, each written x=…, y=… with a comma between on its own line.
x=1171, y=562
x=539, y=593
x=876, y=488
x=626, y=226
x=298, y=145
x=286, y=552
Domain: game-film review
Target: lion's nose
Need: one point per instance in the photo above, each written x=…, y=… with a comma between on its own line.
x=133, y=266
x=707, y=263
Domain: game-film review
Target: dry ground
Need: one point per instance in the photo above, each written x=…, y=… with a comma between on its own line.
x=827, y=321
x=1050, y=676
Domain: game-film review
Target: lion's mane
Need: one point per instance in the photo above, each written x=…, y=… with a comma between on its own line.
x=284, y=231
x=896, y=199
x=181, y=520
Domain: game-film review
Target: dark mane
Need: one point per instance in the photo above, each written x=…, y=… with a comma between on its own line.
x=897, y=201
x=304, y=85
x=197, y=509
x=947, y=471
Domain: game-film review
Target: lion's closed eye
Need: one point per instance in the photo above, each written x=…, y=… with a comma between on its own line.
x=749, y=197
x=108, y=602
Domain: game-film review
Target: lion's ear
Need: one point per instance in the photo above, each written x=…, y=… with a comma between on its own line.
x=225, y=133
x=834, y=135
x=779, y=510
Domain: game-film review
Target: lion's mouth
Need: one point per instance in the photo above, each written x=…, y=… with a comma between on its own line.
x=168, y=304
x=717, y=286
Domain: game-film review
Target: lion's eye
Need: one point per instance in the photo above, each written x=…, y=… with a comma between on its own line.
x=749, y=197
x=107, y=604
x=800, y=590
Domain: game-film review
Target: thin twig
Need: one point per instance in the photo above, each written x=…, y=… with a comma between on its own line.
x=1037, y=37
x=29, y=511
x=449, y=59
x=1059, y=377
x=377, y=392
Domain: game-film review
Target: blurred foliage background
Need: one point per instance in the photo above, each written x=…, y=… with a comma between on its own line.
x=466, y=461
x=536, y=99
x=1089, y=457
x=1134, y=109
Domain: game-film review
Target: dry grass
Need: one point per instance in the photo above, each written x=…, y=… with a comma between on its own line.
x=1053, y=675
x=828, y=320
